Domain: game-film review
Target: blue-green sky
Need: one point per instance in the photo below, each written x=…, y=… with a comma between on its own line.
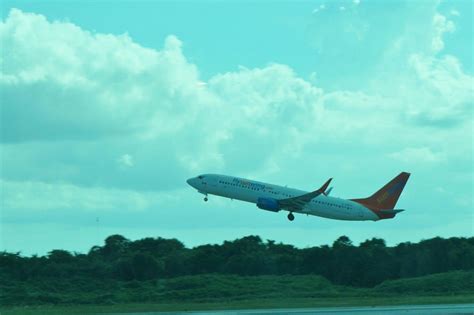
x=107, y=107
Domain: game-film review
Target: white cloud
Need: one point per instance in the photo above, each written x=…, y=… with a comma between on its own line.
x=320, y=8
x=57, y=76
x=454, y=12
x=112, y=105
x=125, y=161
x=19, y=198
x=441, y=25
x=417, y=156
x=444, y=91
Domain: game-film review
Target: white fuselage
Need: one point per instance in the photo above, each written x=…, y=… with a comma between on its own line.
x=251, y=191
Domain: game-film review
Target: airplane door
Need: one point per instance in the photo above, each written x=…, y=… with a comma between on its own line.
x=211, y=185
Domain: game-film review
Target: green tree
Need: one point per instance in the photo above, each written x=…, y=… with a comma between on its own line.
x=60, y=256
x=145, y=267
x=115, y=246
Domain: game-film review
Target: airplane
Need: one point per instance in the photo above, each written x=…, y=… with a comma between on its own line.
x=379, y=206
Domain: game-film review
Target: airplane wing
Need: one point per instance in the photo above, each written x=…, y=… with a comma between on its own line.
x=297, y=203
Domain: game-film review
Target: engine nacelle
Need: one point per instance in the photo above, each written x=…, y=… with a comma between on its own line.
x=269, y=204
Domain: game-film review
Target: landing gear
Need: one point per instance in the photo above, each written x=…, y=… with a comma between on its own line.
x=205, y=199
x=291, y=217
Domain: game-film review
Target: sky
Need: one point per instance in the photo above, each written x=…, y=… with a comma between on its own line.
x=107, y=107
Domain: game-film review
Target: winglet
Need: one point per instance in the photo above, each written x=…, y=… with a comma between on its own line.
x=325, y=186
x=298, y=202
x=328, y=191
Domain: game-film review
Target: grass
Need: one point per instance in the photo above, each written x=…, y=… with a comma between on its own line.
x=214, y=292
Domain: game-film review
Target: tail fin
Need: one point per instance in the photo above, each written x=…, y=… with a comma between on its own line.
x=386, y=198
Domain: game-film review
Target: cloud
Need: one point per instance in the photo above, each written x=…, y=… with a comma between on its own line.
x=125, y=161
x=33, y=197
x=445, y=91
x=454, y=12
x=56, y=76
x=441, y=25
x=105, y=95
x=417, y=155
x=84, y=112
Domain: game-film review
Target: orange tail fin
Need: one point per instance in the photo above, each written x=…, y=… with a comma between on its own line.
x=386, y=198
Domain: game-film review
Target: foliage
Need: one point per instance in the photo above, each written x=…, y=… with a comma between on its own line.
x=214, y=288
x=158, y=269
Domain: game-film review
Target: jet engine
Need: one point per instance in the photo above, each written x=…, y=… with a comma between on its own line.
x=269, y=204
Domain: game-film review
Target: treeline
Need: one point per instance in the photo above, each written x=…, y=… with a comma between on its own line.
x=366, y=265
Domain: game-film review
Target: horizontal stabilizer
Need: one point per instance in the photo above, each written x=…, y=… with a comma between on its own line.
x=391, y=211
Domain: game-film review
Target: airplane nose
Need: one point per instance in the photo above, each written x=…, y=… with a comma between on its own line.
x=190, y=182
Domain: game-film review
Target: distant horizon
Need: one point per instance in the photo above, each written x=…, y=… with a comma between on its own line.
x=265, y=241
